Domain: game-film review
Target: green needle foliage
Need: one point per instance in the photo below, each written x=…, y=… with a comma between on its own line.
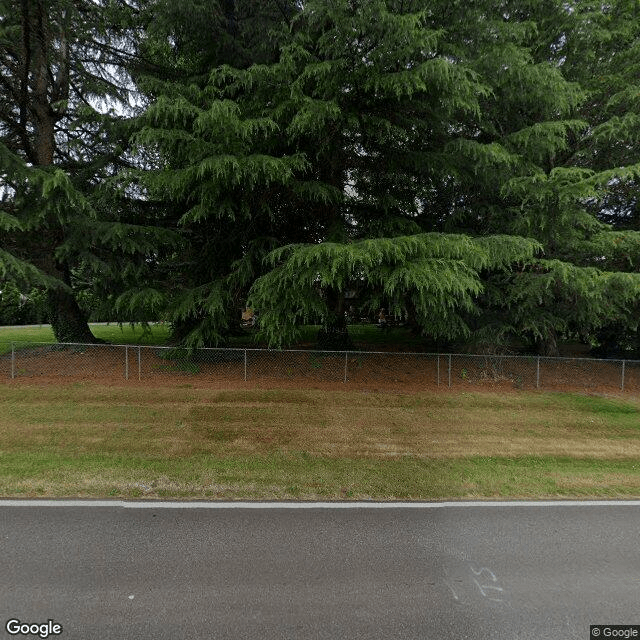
x=334, y=149
x=472, y=168
x=589, y=285
x=433, y=276
x=67, y=222
x=210, y=163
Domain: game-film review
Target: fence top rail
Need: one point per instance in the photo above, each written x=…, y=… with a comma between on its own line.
x=530, y=357
x=65, y=344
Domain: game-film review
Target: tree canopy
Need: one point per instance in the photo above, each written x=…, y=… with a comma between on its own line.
x=67, y=222
x=473, y=168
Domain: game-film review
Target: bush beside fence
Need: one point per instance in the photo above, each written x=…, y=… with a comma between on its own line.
x=153, y=363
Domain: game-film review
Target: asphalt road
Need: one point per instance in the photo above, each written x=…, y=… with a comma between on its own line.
x=476, y=572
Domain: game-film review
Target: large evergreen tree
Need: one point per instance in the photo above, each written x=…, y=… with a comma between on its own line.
x=353, y=148
x=604, y=57
x=579, y=178
x=404, y=152
x=215, y=185
x=63, y=136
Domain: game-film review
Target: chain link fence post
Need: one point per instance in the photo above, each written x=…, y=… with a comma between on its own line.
x=40, y=359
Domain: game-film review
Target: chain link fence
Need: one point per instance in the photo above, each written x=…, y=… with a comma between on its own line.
x=154, y=363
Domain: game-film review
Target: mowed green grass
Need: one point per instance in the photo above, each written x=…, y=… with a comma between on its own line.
x=113, y=333
x=92, y=441
x=367, y=337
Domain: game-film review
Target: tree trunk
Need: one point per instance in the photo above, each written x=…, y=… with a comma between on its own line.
x=548, y=345
x=50, y=84
x=334, y=335
x=230, y=15
x=415, y=328
x=334, y=339
x=68, y=322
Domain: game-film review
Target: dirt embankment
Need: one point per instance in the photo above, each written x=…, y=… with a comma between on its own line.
x=374, y=371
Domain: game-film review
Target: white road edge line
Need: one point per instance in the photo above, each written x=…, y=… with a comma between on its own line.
x=123, y=504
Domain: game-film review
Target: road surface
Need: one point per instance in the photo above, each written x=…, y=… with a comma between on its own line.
x=481, y=572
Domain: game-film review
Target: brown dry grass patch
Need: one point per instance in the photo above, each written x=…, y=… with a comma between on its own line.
x=183, y=422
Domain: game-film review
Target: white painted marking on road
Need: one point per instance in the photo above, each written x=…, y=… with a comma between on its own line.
x=449, y=584
x=150, y=504
x=484, y=570
x=485, y=588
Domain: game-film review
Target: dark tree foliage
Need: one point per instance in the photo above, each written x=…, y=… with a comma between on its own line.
x=368, y=129
x=226, y=228
x=64, y=216
x=473, y=168
x=585, y=180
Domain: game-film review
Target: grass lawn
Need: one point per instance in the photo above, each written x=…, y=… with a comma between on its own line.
x=93, y=441
x=367, y=335
x=113, y=333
